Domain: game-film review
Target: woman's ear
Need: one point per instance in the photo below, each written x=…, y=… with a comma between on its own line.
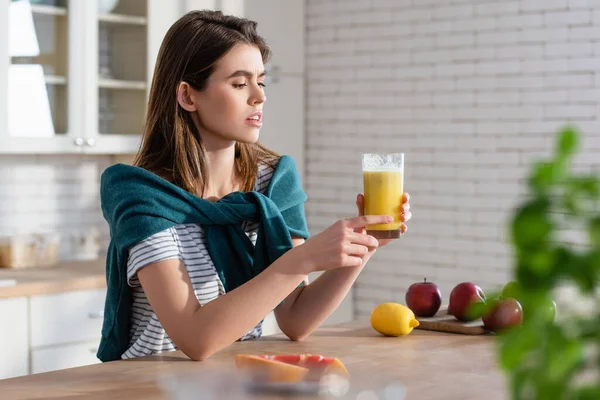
x=184, y=97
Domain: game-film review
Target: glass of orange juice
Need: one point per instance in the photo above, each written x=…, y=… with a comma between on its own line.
x=383, y=177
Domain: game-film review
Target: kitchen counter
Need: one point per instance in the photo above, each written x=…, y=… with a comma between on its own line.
x=431, y=365
x=66, y=276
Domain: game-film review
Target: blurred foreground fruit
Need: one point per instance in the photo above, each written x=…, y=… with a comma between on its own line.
x=290, y=367
x=393, y=319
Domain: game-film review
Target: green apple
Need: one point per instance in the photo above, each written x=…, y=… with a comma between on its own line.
x=548, y=310
x=512, y=290
x=545, y=311
x=547, y=307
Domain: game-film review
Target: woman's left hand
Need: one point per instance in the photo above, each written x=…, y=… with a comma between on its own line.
x=404, y=216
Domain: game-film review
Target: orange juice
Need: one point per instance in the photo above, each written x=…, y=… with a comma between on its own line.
x=383, y=196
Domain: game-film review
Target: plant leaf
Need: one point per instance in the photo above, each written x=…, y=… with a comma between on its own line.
x=542, y=261
x=587, y=393
x=562, y=358
x=589, y=185
x=531, y=227
x=572, y=202
x=516, y=345
x=594, y=231
x=568, y=141
x=541, y=176
x=479, y=308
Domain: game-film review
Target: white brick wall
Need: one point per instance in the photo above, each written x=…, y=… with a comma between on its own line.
x=52, y=194
x=472, y=92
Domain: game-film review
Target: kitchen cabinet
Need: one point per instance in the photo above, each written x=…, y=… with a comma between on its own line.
x=68, y=317
x=74, y=75
x=14, y=345
x=64, y=356
x=50, y=332
x=65, y=329
x=86, y=69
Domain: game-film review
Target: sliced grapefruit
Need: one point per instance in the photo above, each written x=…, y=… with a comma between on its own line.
x=291, y=367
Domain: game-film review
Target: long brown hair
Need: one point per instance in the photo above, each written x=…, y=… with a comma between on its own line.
x=171, y=144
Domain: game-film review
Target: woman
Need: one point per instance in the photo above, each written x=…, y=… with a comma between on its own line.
x=208, y=233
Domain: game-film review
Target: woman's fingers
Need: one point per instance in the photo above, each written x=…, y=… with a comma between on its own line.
x=363, y=240
x=356, y=250
x=406, y=216
x=364, y=220
x=360, y=204
x=352, y=261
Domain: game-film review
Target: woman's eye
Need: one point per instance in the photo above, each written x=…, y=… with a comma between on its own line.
x=262, y=84
x=239, y=85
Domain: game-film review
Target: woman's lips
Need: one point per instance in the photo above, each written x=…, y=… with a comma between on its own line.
x=255, y=119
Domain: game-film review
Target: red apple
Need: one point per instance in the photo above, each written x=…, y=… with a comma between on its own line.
x=424, y=298
x=503, y=314
x=462, y=297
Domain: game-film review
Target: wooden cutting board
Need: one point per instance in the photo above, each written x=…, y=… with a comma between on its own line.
x=443, y=322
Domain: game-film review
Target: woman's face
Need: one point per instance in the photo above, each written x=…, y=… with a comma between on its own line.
x=229, y=109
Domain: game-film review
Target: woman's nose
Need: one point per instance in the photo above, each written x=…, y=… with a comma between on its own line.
x=258, y=96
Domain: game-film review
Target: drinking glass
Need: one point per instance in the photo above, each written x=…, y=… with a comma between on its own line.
x=383, y=177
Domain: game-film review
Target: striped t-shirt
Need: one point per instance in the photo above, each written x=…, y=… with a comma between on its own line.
x=186, y=242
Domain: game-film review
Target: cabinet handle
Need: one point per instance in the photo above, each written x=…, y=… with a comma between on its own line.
x=91, y=142
x=96, y=314
x=78, y=141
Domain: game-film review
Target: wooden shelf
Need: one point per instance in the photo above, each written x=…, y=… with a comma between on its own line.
x=123, y=19
x=55, y=80
x=48, y=10
x=105, y=83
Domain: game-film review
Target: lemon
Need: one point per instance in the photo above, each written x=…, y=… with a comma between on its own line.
x=393, y=319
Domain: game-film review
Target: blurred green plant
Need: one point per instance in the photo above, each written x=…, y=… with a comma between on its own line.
x=547, y=358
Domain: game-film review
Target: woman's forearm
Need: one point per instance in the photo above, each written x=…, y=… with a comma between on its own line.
x=319, y=300
x=227, y=318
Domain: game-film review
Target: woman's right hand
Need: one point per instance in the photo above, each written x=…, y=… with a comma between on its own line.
x=339, y=245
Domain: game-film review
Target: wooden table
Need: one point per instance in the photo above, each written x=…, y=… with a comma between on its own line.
x=431, y=365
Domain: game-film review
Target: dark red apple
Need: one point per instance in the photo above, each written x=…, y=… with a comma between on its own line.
x=503, y=314
x=462, y=297
x=424, y=298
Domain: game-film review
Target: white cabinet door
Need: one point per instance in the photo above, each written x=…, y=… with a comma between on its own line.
x=14, y=346
x=66, y=317
x=124, y=43
x=65, y=356
x=38, y=84
x=77, y=78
